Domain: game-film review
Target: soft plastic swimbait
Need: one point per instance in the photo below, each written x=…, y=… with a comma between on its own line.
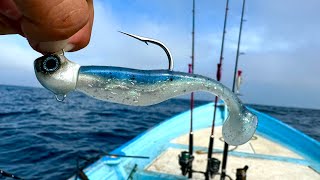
x=141, y=88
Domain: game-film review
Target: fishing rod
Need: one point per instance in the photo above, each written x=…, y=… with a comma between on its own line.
x=186, y=158
x=192, y=94
x=4, y=174
x=226, y=146
x=80, y=173
x=213, y=164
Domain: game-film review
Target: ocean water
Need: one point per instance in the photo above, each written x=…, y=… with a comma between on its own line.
x=43, y=139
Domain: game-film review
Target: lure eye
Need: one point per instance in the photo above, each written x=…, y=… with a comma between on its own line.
x=51, y=63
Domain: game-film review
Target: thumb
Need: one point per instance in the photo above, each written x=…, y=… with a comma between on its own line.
x=49, y=23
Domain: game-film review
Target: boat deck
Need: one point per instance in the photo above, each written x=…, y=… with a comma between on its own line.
x=277, y=151
x=266, y=159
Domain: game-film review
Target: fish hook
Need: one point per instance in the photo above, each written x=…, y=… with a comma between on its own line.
x=156, y=42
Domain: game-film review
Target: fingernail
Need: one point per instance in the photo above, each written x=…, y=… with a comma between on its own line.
x=68, y=47
x=51, y=46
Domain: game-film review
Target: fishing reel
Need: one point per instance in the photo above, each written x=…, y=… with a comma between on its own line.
x=213, y=166
x=242, y=173
x=185, y=161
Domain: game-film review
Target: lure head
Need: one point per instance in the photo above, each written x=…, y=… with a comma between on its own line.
x=56, y=73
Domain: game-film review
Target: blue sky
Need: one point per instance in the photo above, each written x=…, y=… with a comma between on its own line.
x=280, y=39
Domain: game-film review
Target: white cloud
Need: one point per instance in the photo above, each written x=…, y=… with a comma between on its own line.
x=16, y=61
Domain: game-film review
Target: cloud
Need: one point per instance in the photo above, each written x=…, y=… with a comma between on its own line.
x=16, y=61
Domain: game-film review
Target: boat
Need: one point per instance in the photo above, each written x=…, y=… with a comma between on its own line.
x=277, y=151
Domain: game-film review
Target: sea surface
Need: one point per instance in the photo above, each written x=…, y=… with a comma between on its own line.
x=41, y=138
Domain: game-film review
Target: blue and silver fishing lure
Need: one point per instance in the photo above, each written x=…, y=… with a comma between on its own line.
x=142, y=88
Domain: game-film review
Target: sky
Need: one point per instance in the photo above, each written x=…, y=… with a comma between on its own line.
x=280, y=40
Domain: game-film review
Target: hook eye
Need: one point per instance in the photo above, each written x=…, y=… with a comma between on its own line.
x=50, y=63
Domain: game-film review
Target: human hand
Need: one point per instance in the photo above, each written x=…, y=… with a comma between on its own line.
x=48, y=25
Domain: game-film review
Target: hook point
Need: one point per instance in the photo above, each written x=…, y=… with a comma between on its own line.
x=153, y=41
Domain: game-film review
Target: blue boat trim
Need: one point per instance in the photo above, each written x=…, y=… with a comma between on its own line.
x=183, y=146
x=141, y=175
x=289, y=137
x=271, y=157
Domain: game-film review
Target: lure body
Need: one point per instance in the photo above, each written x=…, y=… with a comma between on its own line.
x=146, y=87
